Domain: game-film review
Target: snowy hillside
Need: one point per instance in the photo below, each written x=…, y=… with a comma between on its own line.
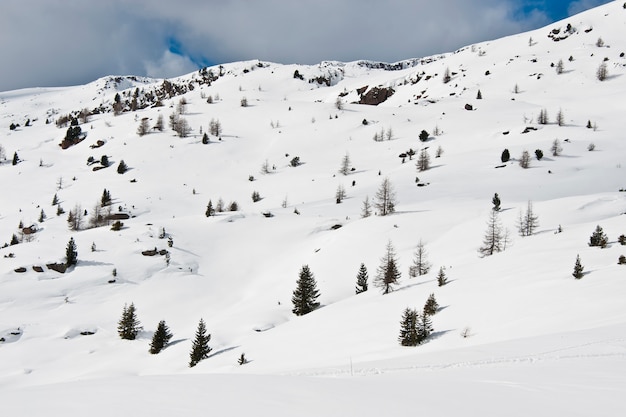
x=513, y=327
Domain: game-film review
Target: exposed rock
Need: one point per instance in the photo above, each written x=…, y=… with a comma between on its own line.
x=376, y=95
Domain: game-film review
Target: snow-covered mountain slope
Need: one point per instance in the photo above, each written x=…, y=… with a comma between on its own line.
x=527, y=321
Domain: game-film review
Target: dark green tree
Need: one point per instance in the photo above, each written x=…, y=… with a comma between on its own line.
x=200, y=348
x=242, y=359
x=16, y=159
x=622, y=240
x=55, y=200
x=538, y=154
x=128, y=327
x=161, y=338
x=71, y=255
x=431, y=305
x=578, y=268
x=361, y=279
x=424, y=327
x=14, y=240
x=305, y=295
x=496, y=202
x=441, y=277
x=105, y=200
x=408, y=328
x=210, y=211
x=42, y=216
x=598, y=238
x=424, y=136
x=122, y=167
x=506, y=155
x=388, y=273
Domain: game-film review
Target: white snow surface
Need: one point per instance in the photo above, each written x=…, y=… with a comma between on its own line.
x=539, y=341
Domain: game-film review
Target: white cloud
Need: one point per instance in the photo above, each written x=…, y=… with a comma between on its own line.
x=169, y=65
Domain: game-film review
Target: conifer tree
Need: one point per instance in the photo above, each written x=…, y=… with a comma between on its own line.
x=431, y=305
x=441, y=277
x=161, y=338
x=71, y=255
x=122, y=167
x=200, y=348
x=598, y=238
x=306, y=293
x=14, y=240
x=128, y=327
x=388, y=273
x=496, y=202
x=423, y=161
x=424, y=327
x=408, y=328
x=210, y=211
x=55, y=200
x=242, y=359
x=361, y=279
x=578, y=268
x=345, y=164
x=506, y=155
x=42, y=216
x=105, y=200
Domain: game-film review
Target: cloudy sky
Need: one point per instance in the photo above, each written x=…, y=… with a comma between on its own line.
x=68, y=42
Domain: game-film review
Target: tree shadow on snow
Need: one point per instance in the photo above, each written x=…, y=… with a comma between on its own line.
x=219, y=352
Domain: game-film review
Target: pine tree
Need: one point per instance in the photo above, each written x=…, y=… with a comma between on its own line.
x=55, y=200
x=388, y=273
x=496, y=202
x=542, y=119
x=578, y=268
x=559, y=67
x=242, y=359
x=306, y=293
x=479, y=95
x=42, y=216
x=14, y=240
x=200, y=348
x=524, y=160
x=161, y=338
x=492, y=241
x=361, y=279
x=385, y=198
x=408, y=328
x=598, y=238
x=431, y=306
x=128, y=327
x=506, y=155
x=210, y=211
x=144, y=127
x=420, y=266
x=71, y=255
x=16, y=159
x=105, y=200
x=441, y=277
x=424, y=327
x=340, y=193
x=122, y=167
x=560, y=118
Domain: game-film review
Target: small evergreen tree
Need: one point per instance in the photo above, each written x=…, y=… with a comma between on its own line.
x=242, y=359
x=441, y=277
x=542, y=119
x=361, y=279
x=144, y=127
x=128, y=327
x=122, y=167
x=423, y=161
x=506, y=155
x=210, y=211
x=424, y=327
x=424, y=136
x=345, y=164
x=538, y=154
x=598, y=238
x=105, y=200
x=431, y=306
x=42, y=216
x=578, y=268
x=621, y=260
x=408, y=328
x=524, y=160
x=14, y=240
x=559, y=67
x=446, y=76
x=200, y=348
x=55, y=200
x=161, y=338
x=479, y=95
x=560, y=118
x=71, y=255
x=622, y=240
x=388, y=273
x=602, y=73
x=16, y=159
x=496, y=202
x=305, y=295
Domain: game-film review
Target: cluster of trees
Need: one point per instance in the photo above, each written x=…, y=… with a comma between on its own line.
x=414, y=327
x=129, y=327
x=220, y=207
